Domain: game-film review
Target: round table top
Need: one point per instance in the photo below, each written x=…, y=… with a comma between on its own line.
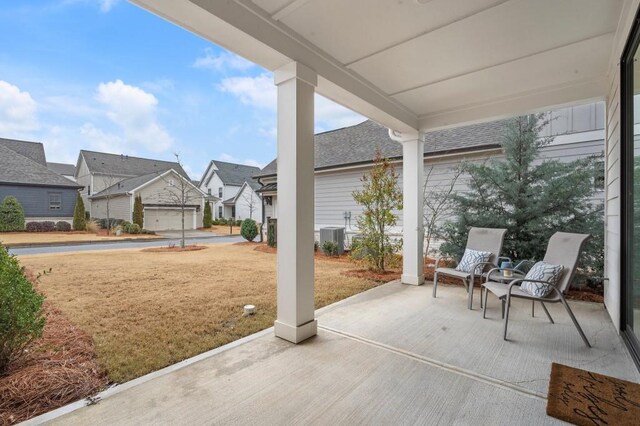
x=499, y=276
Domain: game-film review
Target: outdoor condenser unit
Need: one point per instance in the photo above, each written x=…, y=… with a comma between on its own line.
x=334, y=234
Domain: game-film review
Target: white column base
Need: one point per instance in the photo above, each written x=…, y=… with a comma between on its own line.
x=296, y=334
x=412, y=279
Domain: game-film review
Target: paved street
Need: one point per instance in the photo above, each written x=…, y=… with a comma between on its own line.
x=122, y=245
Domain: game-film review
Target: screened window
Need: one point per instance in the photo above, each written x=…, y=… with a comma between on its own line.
x=220, y=192
x=55, y=201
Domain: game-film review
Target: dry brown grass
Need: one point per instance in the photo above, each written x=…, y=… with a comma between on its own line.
x=149, y=310
x=11, y=238
x=222, y=230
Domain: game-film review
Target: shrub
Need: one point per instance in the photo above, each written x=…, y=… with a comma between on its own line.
x=249, y=229
x=134, y=229
x=207, y=218
x=330, y=248
x=21, y=317
x=63, y=226
x=272, y=233
x=316, y=246
x=79, y=215
x=46, y=226
x=113, y=222
x=11, y=215
x=93, y=226
x=239, y=222
x=138, y=211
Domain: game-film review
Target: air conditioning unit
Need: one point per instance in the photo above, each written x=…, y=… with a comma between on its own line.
x=335, y=234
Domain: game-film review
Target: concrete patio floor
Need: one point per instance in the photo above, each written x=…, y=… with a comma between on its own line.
x=391, y=355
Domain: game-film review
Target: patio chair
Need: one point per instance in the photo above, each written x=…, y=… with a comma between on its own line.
x=479, y=239
x=563, y=249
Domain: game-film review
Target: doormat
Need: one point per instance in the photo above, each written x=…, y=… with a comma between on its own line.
x=585, y=398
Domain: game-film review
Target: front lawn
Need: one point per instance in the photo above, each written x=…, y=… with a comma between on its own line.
x=149, y=310
x=12, y=238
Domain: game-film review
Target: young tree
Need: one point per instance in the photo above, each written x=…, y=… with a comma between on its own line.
x=138, y=211
x=181, y=193
x=207, y=215
x=251, y=201
x=380, y=197
x=11, y=215
x=529, y=197
x=438, y=203
x=79, y=218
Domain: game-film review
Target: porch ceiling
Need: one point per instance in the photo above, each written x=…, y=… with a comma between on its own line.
x=424, y=64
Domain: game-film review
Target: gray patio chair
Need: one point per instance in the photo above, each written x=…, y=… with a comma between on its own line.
x=481, y=239
x=563, y=249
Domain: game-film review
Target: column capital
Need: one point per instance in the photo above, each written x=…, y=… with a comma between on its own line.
x=295, y=70
x=404, y=136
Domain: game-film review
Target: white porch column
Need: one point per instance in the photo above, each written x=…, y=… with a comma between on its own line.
x=296, y=86
x=412, y=213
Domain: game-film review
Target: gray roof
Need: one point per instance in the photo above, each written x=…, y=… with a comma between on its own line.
x=235, y=174
x=126, y=185
x=358, y=144
x=62, y=169
x=124, y=165
x=31, y=150
x=16, y=168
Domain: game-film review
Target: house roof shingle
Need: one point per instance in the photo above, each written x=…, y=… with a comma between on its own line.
x=16, y=168
x=124, y=165
x=62, y=169
x=31, y=150
x=235, y=174
x=358, y=144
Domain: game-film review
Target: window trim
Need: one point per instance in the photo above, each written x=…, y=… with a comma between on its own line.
x=52, y=203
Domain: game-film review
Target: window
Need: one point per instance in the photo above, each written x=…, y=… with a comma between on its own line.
x=89, y=190
x=233, y=212
x=220, y=192
x=220, y=212
x=209, y=191
x=55, y=201
x=171, y=182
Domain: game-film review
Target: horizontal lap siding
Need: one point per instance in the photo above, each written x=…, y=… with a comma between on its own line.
x=35, y=200
x=612, y=215
x=119, y=208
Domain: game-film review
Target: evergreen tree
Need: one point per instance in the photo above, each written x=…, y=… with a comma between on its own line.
x=380, y=197
x=79, y=217
x=207, y=219
x=530, y=197
x=138, y=211
x=11, y=215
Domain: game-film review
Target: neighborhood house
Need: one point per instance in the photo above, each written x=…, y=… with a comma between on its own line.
x=44, y=194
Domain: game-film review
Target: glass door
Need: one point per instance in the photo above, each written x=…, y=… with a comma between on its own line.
x=630, y=200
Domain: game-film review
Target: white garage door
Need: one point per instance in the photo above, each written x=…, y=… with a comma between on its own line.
x=168, y=219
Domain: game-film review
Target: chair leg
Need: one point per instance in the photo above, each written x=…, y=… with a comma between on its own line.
x=575, y=322
x=506, y=317
x=502, y=300
x=484, y=308
x=533, y=309
x=435, y=283
x=547, y=312
x=470, y=287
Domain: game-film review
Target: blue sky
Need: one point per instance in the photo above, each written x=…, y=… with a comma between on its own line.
x=106, y=75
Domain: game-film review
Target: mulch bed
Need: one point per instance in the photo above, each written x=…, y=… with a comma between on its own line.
x=59, y=368
x=176, y=249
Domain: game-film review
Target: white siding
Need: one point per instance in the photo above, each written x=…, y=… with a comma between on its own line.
x=119, y=208
x=249, y=205
x=612, y=209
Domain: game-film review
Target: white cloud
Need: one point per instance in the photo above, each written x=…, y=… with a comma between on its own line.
x=260, y=92
x=135, y=112
x=107, y=5
x=18, y=110
x=224, y=60
x=100, y=140
x=246, y=162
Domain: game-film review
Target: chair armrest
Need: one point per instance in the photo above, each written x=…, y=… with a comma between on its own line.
x=519, y=281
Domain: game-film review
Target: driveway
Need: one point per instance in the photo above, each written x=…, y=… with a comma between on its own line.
x=176, y=234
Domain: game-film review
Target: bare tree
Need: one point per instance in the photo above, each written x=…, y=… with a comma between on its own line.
x=250, y=200
x=438, y=203
x=179, y=192
x=110, y=182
